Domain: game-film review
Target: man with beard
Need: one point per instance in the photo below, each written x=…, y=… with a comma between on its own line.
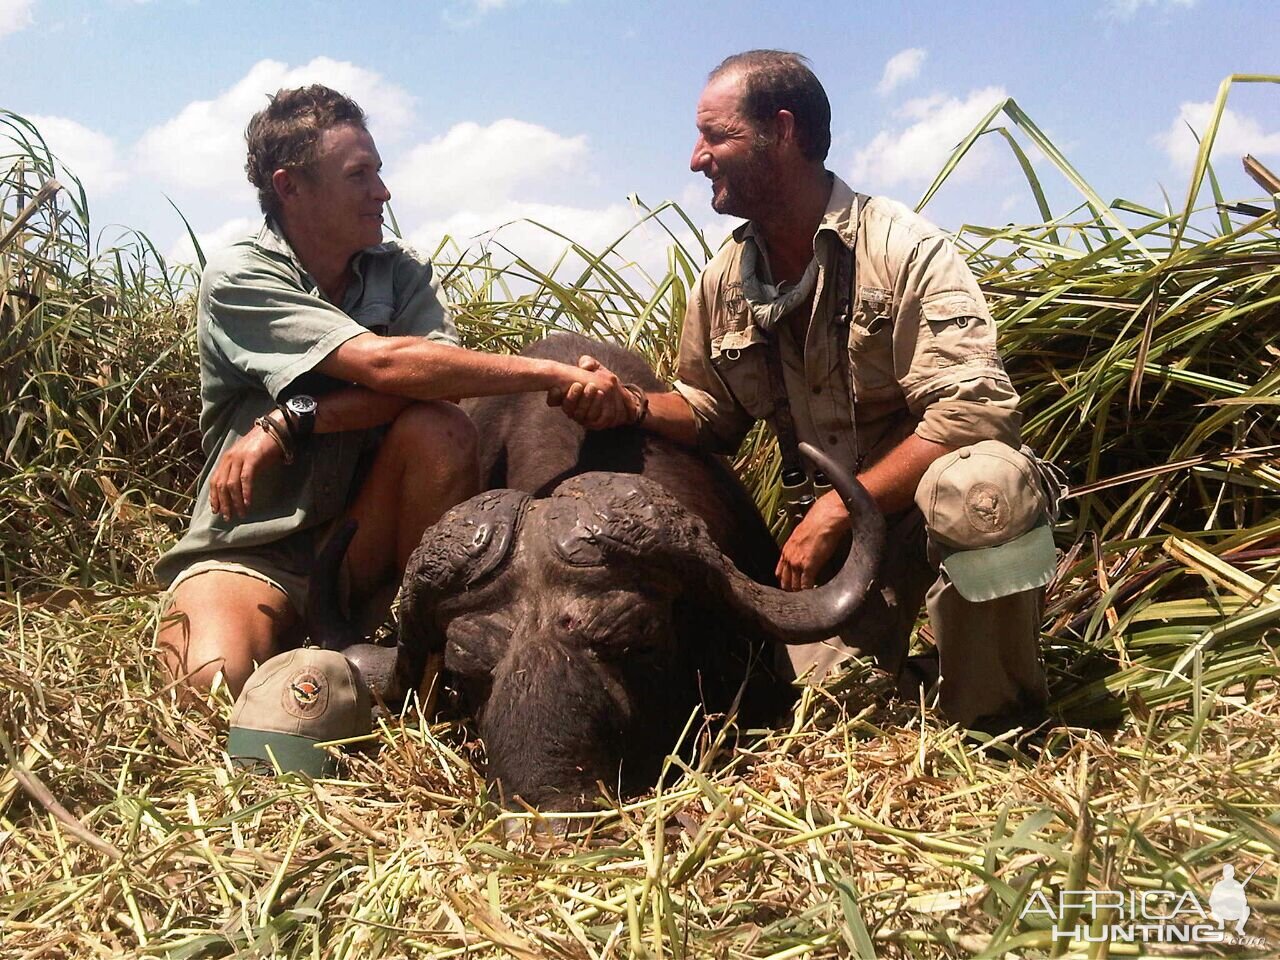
x=853, y=324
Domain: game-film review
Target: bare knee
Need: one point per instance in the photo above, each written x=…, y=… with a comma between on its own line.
x=222, y=626
x=193, y=658
x=433, y=423
x=440, y=432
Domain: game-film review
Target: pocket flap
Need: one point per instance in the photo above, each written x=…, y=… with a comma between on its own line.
x=951, y=306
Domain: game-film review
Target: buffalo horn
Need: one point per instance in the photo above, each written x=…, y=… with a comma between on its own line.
x=809, y=615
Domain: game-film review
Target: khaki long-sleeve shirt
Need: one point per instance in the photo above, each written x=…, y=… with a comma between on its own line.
x=918, y=353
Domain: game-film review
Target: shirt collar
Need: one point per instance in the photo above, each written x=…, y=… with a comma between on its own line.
x=838, y=218
x=272, y=239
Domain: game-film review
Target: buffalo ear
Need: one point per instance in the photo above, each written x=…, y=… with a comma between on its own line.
x=459, y=552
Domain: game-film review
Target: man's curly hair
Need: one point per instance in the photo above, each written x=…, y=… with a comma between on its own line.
x=286, y=132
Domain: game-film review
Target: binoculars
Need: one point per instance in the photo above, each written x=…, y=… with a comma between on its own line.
x=799, y=493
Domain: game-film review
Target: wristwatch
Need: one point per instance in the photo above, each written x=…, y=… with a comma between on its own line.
x=300, y=415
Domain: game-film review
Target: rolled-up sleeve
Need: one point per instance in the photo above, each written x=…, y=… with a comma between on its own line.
x=720, y=420
x=266, y=329
x=945, y=351
x=969, y=412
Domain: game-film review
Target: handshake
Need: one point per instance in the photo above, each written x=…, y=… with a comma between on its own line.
x=597, y=399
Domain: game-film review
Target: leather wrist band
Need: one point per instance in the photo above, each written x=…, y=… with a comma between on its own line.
x=642, y=400
x=290, y=421
x=269, y=425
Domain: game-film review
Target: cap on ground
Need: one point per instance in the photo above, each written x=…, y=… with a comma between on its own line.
x=984, y=505
x=294, y=701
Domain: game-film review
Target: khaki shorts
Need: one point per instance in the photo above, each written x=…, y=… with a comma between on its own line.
x=284, y=564
x=289, y=584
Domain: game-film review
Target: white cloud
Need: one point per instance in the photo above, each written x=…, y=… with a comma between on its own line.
x=1128, y=9
x=902, y=66
x=90, y=155
x=478, y=169
x=15, y=15
x=916, y=153
x=504, y=232
x=202, y=147
x=222, y=236
x=1237, y=135
x=504, y=226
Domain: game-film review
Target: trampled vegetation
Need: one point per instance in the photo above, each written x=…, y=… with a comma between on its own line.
x=1143, y=343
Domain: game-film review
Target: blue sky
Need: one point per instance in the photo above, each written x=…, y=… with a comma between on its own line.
x=489, y=110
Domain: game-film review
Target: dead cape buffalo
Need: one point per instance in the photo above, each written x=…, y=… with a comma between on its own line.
x=607, y=585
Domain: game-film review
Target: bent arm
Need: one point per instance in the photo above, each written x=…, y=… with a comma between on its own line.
x=416, y=369
x=892, y=483
x=671, y=416
x=356, y=408
x=893, y=479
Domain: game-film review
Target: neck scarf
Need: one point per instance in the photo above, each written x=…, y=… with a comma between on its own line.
x=768, y=304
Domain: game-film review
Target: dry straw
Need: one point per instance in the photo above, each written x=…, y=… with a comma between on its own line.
x=1142, y=342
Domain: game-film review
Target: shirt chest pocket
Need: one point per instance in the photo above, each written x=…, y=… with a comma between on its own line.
x=871, y=345
x=745, y=372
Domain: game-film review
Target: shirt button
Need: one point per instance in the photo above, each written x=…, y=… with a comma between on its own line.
x=817, y=391
x=964, y=453
x=832, y=439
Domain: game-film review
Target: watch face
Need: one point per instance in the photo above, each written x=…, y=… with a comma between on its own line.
x=302, y=405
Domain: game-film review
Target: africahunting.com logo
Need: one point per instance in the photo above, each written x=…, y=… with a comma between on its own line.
x=1150, y=916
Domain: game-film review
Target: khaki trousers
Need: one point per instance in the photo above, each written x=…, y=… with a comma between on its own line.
x=988, y=652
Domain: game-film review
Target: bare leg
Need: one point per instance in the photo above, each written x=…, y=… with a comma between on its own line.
x=427, y=463
x=225, y=621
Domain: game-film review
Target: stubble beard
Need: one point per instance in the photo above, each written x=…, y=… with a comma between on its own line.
x=747, y=191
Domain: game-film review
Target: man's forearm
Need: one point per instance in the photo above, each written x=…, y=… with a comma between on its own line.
x=671, y=416
x=892, y=480
x=418, y=369
x=356, y=408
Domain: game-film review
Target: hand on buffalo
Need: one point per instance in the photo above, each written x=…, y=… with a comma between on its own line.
x=231, y=485
x=812, y=543
x=597, y=400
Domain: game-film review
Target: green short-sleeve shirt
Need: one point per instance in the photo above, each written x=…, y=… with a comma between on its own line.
x=262, y=327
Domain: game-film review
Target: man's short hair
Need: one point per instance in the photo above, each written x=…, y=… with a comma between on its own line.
x=774, y=80
x=286, y=132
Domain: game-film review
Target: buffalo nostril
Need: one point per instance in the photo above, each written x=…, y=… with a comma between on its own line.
x=567, y=622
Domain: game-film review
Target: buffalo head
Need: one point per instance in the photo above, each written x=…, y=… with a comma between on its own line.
x=560, y=617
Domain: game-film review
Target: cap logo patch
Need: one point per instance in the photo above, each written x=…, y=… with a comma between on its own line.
x=306, y=695
x=986, y=508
